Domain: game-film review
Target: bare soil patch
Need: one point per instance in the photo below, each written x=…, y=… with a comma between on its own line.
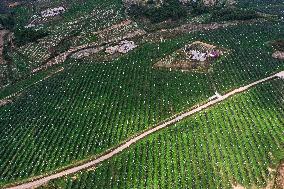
x=278, y=55
x=10, y=99
x=237, y=186
x=197, y=56
x=5, y=102
x=279, y=181
x=127, y=29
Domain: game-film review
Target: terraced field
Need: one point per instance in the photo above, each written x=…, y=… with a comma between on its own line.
x=74, y=112
x=107, y=103
x=239, y=141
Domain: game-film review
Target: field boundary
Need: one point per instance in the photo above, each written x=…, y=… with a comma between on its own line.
x=41, y=180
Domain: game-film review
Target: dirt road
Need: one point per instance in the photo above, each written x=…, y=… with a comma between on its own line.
x=124, y=146
x=2, y=34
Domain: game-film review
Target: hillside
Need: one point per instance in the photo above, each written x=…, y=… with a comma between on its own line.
x=148, y=95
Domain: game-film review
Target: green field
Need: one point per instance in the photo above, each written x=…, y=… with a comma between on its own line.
x=236, y=141
x=109, y=102
x=91, y=106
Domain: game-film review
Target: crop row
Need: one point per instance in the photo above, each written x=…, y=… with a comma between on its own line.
x=92, y=106
x=236, y=142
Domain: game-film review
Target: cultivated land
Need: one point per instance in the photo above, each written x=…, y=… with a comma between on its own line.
x=237, y=142
x=69, y=112
x=135, y=139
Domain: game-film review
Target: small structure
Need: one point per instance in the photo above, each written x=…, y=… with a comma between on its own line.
x=214, y=54
x=197, y=55
x=123, y=47
x=278, y=55
x=52, y=12
x=216, y=96
x=280, y=75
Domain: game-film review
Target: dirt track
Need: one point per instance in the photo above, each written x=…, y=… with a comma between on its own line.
x=2, y=34
x=115, y=151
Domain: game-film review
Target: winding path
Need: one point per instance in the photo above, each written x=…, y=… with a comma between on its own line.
x=117, y=150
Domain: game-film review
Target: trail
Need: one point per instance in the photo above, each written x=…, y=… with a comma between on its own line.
x=117, y=150
x=2, y=34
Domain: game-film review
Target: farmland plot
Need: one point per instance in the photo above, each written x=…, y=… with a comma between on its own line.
x=238, y=142
x=92, y=107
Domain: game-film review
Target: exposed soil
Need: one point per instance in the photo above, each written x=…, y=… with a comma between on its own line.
x=278, y=55
x=89, y=48
x=238, y=186
x=2, y=34
x=5, y=102
x=180, y=59
x=279, y=181
x=9, y=99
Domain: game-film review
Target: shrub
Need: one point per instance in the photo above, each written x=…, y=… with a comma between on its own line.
x=171, y=9
x=24, y=36
x=278, y=45
x=226, y=14
x=7, y=21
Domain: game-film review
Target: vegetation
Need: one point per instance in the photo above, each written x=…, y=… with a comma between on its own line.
x=92, y=106
x=7, y=21
x=107, y=103
x=278, y=45
x=170, y=9
x=226, y=14
x=235, y=142
x=24, y=36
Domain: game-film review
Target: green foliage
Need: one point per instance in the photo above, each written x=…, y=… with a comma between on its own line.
x=93, y=106
x=170, y=9
x=24, y=36
x=226, y=14
x=233, y=142
x=7, y=21
x=199, y=8
x=278, y=45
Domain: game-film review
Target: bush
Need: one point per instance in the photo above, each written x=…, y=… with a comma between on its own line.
x=278, y=45
x=198, y=9
x=171, y=9
x=226, y=14
x=7, y=21
x=24, y=36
